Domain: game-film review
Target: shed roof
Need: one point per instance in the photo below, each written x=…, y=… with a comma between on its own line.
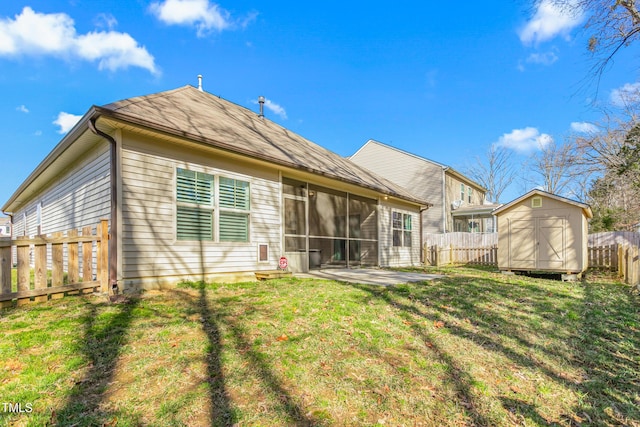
x=507, y=206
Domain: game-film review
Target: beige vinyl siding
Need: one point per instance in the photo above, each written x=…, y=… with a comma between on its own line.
x=419, y=176
x=80, y=197
x=151, y=253
x=552, y=237
x=452, y=193
x=398, y=256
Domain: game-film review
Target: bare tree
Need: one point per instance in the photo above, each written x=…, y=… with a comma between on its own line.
x=495, y=173
x=553, y=168
x=610, y=26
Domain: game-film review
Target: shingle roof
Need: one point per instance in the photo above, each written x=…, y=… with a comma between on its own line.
x=203, y=117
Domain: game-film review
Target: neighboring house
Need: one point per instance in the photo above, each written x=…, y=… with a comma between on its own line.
x=5, y=226
x=196, y=187
x=458, y=202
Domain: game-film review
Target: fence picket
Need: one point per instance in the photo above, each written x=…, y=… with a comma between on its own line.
x=34, y=251
x=57, y=264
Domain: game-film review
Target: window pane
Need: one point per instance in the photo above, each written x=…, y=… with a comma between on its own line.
x=194, y=224
x=407, y=239
x=397, y=238
x=194, y=187
x=234, y=194
x=397, y=220
x=407, y=222
x=234, y=227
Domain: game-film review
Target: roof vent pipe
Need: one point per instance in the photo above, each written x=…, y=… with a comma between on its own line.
x=200, y=82
x=261, y=102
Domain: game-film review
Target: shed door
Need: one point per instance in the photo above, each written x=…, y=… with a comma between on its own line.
x=522, y=244
x=551, y=246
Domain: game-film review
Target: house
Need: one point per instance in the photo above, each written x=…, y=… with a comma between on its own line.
x=540, y=231
x=5, y=226
x=458, y=202
x=197, y=187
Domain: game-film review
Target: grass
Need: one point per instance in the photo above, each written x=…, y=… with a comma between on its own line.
x=472, y=348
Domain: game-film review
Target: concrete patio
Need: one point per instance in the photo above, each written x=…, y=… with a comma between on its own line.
x=370, y=276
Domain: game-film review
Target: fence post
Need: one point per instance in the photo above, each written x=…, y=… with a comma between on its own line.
x=57, y=264
x=40, y=269
x=5, y=269
x=24, y=279
x=103, y=252
x=87, y=257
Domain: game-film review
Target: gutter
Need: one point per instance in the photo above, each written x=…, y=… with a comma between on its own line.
x=444, y=199
x=113, y=235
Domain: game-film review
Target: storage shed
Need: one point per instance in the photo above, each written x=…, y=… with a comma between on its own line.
x=540, y=231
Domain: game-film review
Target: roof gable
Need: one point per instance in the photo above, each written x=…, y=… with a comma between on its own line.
x=448, y=169
x=535, y=192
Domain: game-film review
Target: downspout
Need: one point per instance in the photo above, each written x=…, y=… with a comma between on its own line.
x=444, y=200
x=113, y=236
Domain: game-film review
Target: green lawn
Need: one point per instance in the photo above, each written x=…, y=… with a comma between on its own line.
x=473, y=348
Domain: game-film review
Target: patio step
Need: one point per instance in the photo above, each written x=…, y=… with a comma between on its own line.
x=272, y=274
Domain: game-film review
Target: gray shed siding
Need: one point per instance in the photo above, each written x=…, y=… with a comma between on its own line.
x=418, y=176
x=151, y=254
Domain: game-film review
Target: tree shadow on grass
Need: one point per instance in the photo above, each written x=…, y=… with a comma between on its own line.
x=214, y=317
x=105, y=333
x=606, y=345
x=610, y=338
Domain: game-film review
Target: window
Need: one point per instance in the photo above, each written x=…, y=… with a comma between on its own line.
x=196, y=207
x=401, y=225
x=234, y=210
x=469, y=193
x=462, y=192
x=536, y=202
x=194, y=195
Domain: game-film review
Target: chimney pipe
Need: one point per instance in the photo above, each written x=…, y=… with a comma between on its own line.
x=261, y=102
x=200, y=82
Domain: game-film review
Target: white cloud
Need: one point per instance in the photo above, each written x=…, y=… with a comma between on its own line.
x=275, y=108
x=66, y=121
x=35, y=34
x=22, y=109
x=625, y=95
x=105, y=20
x=524, y=140
x=584, y=127
x=546, y=58
x=205, y=16
x=549, y=22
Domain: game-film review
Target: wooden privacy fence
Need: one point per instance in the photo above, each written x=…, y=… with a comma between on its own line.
x=51, y=275
x=623, y=258
x=437, y=255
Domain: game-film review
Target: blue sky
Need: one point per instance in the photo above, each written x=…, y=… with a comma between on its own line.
x=417, y=75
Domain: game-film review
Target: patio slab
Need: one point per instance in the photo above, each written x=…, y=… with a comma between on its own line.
x=371, y=276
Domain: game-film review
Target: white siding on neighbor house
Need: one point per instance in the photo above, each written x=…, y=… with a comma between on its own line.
x=151, y=252
x=419, y=176
x=398, y=256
